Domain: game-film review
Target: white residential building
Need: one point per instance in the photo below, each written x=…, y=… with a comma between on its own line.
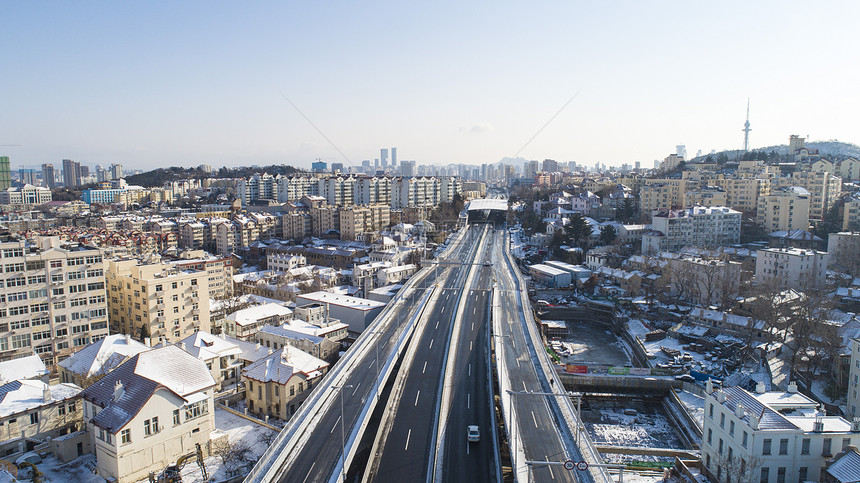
x=702, y=227
x=791, y=267
x=770, y=437
x=53, y=300
x=243, y=324
x=154, y=408
x=97, y=359
x=32, y=409
x=284, y=262
x=222, y=357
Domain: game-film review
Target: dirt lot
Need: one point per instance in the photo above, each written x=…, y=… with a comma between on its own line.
x=591, y=342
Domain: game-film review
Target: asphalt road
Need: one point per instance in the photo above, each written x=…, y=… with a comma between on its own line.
x=536, y=430
x=406, y=442
x=316, y=459
x=469, y=379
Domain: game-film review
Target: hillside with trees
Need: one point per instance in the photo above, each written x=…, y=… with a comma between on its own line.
x=158, y=177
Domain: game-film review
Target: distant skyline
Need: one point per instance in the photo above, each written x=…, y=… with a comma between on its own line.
x=186, y=83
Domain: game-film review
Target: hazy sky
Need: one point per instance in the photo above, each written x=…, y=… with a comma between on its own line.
x=151, y=84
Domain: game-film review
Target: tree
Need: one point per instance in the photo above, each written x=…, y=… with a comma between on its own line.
x=579, y=229
x=807, y=323
x=608, y=234
x=234, y=455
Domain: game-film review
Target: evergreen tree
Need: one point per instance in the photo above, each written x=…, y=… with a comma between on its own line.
x=579, y=230
x=608, y=234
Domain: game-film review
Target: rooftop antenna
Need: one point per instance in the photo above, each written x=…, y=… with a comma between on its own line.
x=747, y=129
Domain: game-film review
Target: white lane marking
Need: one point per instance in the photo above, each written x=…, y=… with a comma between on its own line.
x=535, y=420
x=407, y=440
x=437, y=324
x=467, y=447
x=473, y=326
x=470, y=345
x=425, y=368
x=446, y=297
x=309, y=472
x=335, y=425
x=356, y=388
x=443, y=309
x=416, y=397
x=468, y=400
x=550, y=467
x=431, y=343
x=524, y=386
x=518, y=362
x=470, y=369
x=473, y=311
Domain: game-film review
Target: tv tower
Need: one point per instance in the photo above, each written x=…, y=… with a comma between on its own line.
x=747, y=129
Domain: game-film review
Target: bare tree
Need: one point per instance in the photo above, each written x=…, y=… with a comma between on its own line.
x=807, y=322
x=234, y=455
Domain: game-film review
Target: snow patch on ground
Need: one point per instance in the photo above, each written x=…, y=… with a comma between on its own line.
x=239, y=430
x=648, y=428
x=76, y=470
x=695, y=405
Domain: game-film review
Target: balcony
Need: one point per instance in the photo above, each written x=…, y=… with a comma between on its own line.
x=195, y=312
x=159, y=293
x=160, y=307
x=194, y=299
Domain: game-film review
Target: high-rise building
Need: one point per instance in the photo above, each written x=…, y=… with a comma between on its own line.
x=54, y=298
x=550, y=166
x=48, y=175
x=28, y=175
x=319, y=167
x=393, y=157
x=115, y=171
x=407, y=168
x=71, y=173
x=337, y=167
x=5, y=173
x=383, y=157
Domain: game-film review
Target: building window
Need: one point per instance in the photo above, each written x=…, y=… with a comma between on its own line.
x=802, y=472
x=125, y=436
x=780, y=474
x=34, y=418
x=176, y=417
x=783, y=446
x=825, y=449
x=765, y=448
x=710, y=435
x=721, y=446
x=722, y=420
x=845, y=443
x=731, y=428
x=765, y=475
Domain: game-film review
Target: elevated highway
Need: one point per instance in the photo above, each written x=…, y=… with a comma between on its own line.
x=442, y=332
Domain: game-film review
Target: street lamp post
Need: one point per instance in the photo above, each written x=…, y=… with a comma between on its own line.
x=342, y=435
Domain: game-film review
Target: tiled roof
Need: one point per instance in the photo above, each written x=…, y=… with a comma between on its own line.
x=141, y=376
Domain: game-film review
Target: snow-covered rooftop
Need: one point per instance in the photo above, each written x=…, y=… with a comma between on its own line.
x=253, y=314
x=30, y=367
x=281, y=365
x=24, y=395
x=103, y=356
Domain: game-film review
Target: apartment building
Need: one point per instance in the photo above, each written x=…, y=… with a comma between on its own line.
x=218, y=269
x=294, y=188
x=770, y=437
x=823, y=187
x=853, y=396
x=143, y=415
x=703, y=227
x=356, y=221
x=277, y=385
x=705, y=196
x=52, y=298
x=156, y=300
x=743, y=193
x=791, y=267
x=235, y=234
x=843, y=249
x=848, y=169
x=662, y=194
x=257, y=187
x=784, y=209
x=851, y=213
x=191, y=234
